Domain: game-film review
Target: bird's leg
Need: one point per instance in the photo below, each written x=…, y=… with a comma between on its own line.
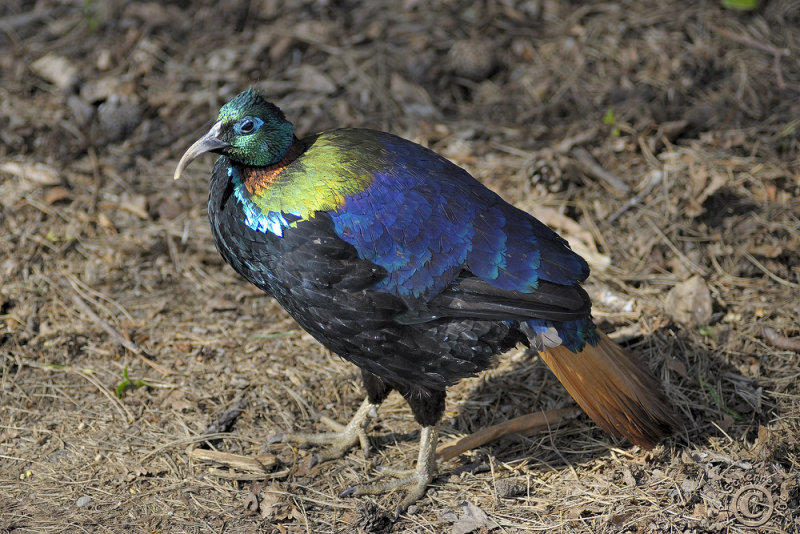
x=427, y=409
x=416, y=479
x=343, y=437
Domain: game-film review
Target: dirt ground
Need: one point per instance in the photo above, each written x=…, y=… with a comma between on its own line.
x=661, y=138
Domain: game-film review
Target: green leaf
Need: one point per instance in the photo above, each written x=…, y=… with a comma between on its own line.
x=707, y=331
x=609, y=117
x=740, y=5
x=128, y=383
x=124, y=384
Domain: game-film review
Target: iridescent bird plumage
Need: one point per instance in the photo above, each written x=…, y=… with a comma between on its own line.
x=404, y=264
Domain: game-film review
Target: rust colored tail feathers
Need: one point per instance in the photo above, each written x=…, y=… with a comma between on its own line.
x=614, y=390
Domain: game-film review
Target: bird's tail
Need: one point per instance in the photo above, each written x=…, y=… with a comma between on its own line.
x=615, y=390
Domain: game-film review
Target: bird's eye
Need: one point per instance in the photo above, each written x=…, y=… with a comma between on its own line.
x=247, y=126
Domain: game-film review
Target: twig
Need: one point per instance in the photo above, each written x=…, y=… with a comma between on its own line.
x=195, y=439
x=749, y=41
x=235, y=475
x=126, y=413
x=769, y=273
x=584, y=137
x=82, y=289
x=692, y=266
x=764, y=47
x=87, y=375
x=261, y=463
x=116, y=336
x=526, y=424
x=779, y=341
x=590, y=166
x=638, y=198
x=12, y=23
x=237, y=466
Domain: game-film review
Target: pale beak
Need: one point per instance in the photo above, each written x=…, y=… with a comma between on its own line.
x=210, y=142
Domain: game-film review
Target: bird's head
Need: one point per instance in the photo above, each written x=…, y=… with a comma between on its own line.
x=249, y=130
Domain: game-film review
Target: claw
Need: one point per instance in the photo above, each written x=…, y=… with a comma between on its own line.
x=341, y=440
x=347, y=437
x=417, y=479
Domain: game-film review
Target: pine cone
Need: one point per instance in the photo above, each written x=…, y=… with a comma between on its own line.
x=370, y=519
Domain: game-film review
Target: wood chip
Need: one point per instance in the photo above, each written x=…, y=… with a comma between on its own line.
x=57, y=70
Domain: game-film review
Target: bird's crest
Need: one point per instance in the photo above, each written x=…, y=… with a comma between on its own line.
x=250, y=102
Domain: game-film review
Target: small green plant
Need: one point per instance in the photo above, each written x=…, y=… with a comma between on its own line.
x=740, y=5
x=611, y=119
x=127, y=382
x=718, y=400
x=90, y=15
x=707, y=331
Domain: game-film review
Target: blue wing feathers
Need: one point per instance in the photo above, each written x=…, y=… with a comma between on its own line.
x=488, y=253
x=424, y=220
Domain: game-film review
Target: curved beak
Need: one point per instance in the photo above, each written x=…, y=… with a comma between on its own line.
x=210, y=142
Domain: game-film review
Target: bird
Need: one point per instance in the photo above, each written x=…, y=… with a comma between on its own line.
x=402, y=263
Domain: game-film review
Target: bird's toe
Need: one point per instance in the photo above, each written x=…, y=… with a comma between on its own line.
x=339, y=442
x=417, y=481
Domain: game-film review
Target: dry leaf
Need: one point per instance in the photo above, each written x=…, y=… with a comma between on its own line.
x=470, y=519
x=57, y=70
x=176, y=400
x=628, y=478
x=274, y=506
x=766, y=250
x=689, y=302
x=105, y=223
x=38, y=173
x=54, y=194
x=701, y=188
x=135, y=204
x=415, y=98
x=169, y=209
x=677, y=366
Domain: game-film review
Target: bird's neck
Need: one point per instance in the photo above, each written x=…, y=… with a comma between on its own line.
x=257, y=179
x=317, y=174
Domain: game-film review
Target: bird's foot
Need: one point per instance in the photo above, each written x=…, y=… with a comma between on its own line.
x=342, y=439
x=416, y=480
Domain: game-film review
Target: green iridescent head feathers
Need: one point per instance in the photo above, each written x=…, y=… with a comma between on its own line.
x=257, y=130
x=249, y=130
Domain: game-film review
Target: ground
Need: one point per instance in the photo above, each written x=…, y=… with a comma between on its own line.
x=661, y=139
